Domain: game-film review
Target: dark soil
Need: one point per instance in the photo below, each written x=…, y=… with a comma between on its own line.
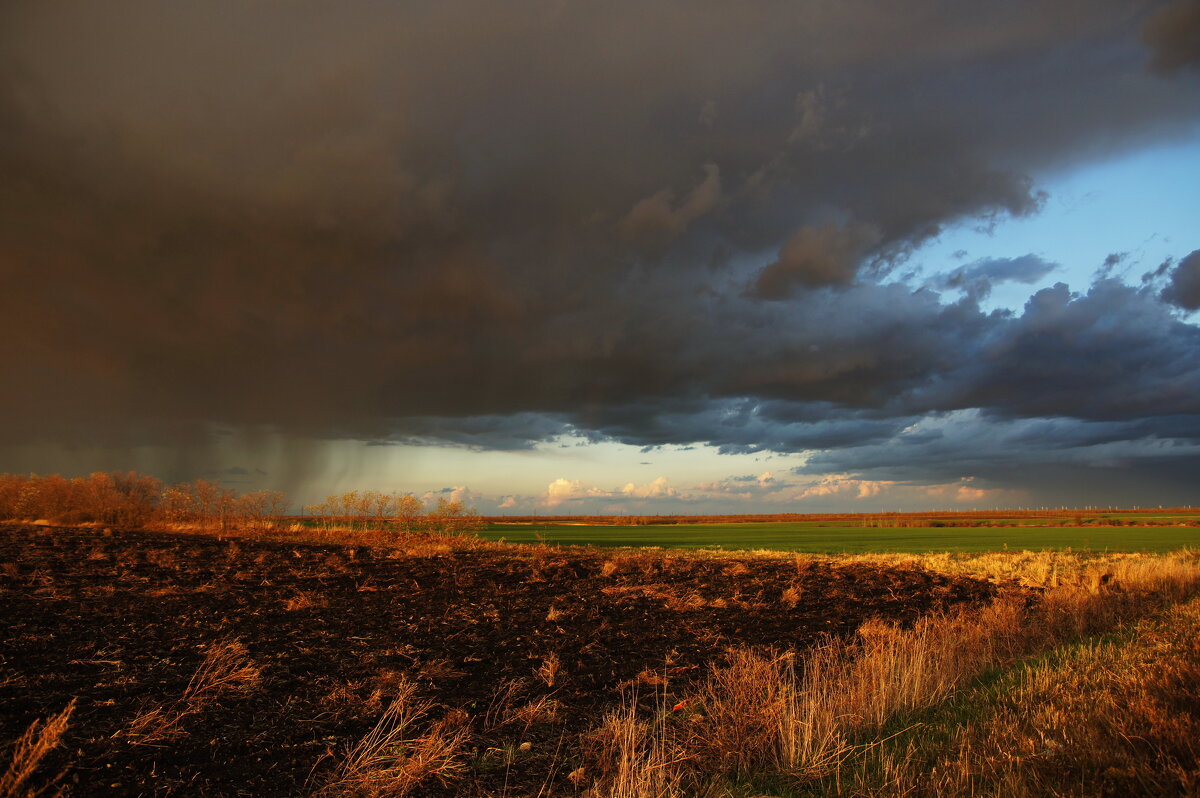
x=121, y=620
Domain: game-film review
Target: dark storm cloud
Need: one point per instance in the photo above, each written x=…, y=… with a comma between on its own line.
x=1086, y=462
x=976, y=279
x=508, y=432
x=744, y=425
x=946, y=447
x=493, y=224
x=816, y=256
x=1113, y=353
x=1173, y=34
x=1183, y=288
x=1114, y=362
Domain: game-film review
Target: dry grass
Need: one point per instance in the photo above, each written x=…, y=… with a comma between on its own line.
x=391, y=761
x=1051, y=569
x=304, y=600
x=800, y=721
x=31, y=748
x=226, y=668
x=631, y=757
x=550, y=669
x=755, y=715
x=409, y=544
x=826, y=720
x=502, y=705
x=1111, y=717
x=539, y=710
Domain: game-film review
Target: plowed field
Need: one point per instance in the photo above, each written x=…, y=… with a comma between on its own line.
x=534, y=643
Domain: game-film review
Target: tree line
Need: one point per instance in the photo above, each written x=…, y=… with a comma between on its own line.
x=401, y=512
x=133, y=500
x=129, y=499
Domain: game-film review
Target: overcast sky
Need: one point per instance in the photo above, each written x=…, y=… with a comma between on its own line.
x=647, y=256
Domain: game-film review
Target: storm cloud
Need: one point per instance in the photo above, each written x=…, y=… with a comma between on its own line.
x=977, y=279
x=1183, y=288
x=490, y=225
x=1173, y=33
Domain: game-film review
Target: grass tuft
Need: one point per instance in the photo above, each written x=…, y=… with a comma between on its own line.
x=632, y=757
x=226, y=668
x=390, y=760
x=30, y=749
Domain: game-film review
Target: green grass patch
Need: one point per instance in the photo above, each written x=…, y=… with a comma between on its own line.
x=821, y=539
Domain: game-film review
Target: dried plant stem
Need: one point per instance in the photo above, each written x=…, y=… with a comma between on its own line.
x=38, y=740
x=226, y=668
x=390, y=761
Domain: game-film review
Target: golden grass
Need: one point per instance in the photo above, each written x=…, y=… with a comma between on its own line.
x=1110, y=717
x=416, y=543
x=30, y=749
x=390, y=760
x=550, y=668
x=820, y=723
x=226, y=668
x=755, y=714
x=632, y=757
x=304, y=600
x=539, y=710
x=1049, y=569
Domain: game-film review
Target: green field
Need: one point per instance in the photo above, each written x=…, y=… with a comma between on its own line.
x=810, y=537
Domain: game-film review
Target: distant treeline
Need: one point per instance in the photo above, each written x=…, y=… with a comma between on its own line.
x=403, y=512
x=133, y=500
x=130, y=499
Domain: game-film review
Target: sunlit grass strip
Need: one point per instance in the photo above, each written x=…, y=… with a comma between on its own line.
x=1111, y=716
x=1053, y=569
x=812, y=724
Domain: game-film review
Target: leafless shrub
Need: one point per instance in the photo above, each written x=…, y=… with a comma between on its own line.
x=125, y=498
x=452, y=517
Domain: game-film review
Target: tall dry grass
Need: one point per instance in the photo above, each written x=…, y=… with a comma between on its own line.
x=816, y=721
x=1111, y=717
x=630, y=756
x=30, y=749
